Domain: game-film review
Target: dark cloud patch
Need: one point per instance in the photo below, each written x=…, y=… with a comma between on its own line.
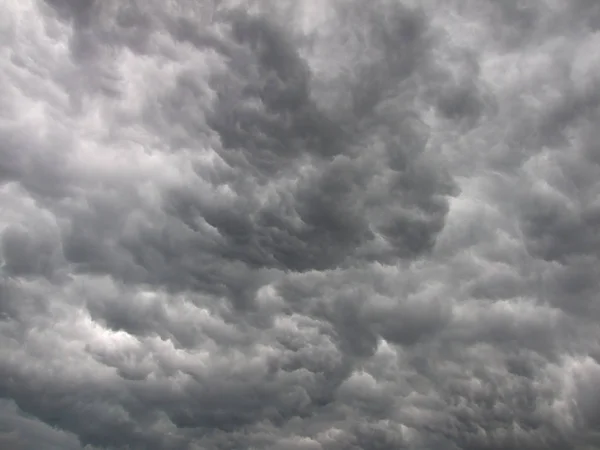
x=28, y=253
x=270, y=127
x=460, y=102
x=19, y=431
x=520, y=20
x=92, y=30
x=78, y=11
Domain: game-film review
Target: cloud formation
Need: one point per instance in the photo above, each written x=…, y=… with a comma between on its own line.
x=300, y=225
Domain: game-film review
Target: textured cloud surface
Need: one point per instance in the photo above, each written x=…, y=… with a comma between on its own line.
x=304, y=225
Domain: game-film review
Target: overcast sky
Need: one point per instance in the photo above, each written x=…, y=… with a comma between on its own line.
x=300, y=225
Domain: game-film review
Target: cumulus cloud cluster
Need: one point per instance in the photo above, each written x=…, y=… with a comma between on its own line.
x=304, y=225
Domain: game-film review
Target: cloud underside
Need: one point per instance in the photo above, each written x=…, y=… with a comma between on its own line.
x=300, y=225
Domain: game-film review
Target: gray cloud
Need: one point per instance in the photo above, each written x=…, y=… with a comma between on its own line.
x=308, y=225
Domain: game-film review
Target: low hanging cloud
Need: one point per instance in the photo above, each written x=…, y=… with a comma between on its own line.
x=299, y=225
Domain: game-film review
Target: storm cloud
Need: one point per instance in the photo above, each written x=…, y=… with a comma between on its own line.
x=305, y=225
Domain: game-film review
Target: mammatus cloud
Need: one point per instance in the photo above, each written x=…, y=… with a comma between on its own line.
x=299, y=225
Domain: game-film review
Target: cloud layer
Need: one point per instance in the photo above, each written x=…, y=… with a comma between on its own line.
x=300, y=225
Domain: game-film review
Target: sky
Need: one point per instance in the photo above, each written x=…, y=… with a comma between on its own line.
x=299, y=225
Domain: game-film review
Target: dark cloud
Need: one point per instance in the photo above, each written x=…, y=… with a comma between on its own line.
x=299, y=225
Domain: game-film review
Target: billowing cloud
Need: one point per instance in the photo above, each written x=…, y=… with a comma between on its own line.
x=299, y=225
